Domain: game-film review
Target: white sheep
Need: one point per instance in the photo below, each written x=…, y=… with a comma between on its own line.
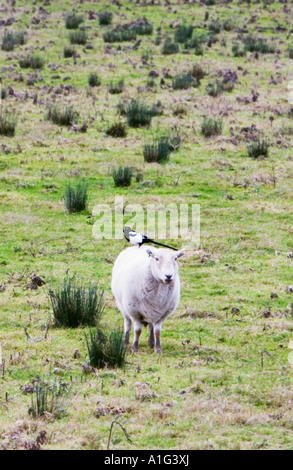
x=146, y=287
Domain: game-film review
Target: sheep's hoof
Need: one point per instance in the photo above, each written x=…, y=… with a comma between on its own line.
x=158, y=351
x=151, y=344
x=134, y=349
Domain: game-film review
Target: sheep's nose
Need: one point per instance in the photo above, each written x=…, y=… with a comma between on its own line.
x=168, y=277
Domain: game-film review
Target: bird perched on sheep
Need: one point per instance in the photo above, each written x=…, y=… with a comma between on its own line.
x=146, y=287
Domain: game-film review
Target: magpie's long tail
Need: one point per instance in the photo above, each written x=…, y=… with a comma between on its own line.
x=149, y=240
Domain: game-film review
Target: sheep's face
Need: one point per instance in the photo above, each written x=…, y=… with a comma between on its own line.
x=164, y=264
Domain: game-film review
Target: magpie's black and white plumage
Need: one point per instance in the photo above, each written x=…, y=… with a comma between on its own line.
x=136, y=238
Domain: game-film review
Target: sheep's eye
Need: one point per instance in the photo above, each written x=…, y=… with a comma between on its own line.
x=157, y=259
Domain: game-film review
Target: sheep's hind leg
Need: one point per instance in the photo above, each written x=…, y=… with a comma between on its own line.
x=137, y=332
x=151, y=340
x=157, y=335
x=127, y=328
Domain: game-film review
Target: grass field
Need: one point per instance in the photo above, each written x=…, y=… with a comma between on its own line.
x=224, y=380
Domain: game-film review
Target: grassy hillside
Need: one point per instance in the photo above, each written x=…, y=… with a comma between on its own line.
x=224, y=380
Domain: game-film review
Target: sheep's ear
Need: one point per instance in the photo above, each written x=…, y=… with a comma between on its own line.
x=179, y=254
x=149, y=252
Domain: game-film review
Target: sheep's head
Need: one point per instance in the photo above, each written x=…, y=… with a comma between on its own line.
x=164, y=264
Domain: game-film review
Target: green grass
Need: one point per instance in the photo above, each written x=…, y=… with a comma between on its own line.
x=224, y=380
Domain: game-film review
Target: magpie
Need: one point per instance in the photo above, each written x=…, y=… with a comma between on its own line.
x=136, y=238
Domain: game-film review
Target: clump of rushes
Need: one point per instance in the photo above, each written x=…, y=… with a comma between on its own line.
x=211, y=127
x=198, y=71
x=179, y=109
x=158, y=151
x=11, y=39
x=105, y=18
x=183, y=33
x=73, y=21
x=121, y=107
x=78, y=37
x=198, y=47
x=142, y=29
x=94, y=80
x=258, y=149
x=157, y=109
x=46, y=399
x=253, y=44
x=138, y=114
x=69, y=51
x=8, y=122
x=116, y=88
x=106, y=351
x=75, y=304
x=228, y=25
x=215, y=89
x=184, y=81
x=3, y=92
x=34, y=62
x=238, y=50
x=122, y=177
x=75, y=198
x=118, y=129
x=170, y=47
x=290, y=52
x=62, y=115
x=119, y=35
x=195, y=41
x=215, y=27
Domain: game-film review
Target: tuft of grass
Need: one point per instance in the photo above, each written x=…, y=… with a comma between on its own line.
x=215, y=89
x=119, y=35
x=158, y=151
x=118, y=129
x=78, y=37
x=215, y=27
x=198, y=71
x=184, y=81
x=183, y=33
x=238, y=50
x=33, y=62
x=258, y=149
x=75, y=199
x=69, y=51
x=46, y=399
x=105, y=18
x=211, y=127
x=143, y=28
x=12, y=39
x=62, y=115
x=179, y=109
x=94, y=79
x=8, y=122
x=75, y=304
x=228, y=25
x=106, y=351
x=254, y=44
x=116, y=88
x=3, y=92
x=73, y=21
x=170, y=47
x=122, y=177
x=138, y=114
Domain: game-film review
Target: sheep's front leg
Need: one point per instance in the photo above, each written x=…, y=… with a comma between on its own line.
x=137, y=331
x=127, y=328
x=151, y=340
x=157, y=335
